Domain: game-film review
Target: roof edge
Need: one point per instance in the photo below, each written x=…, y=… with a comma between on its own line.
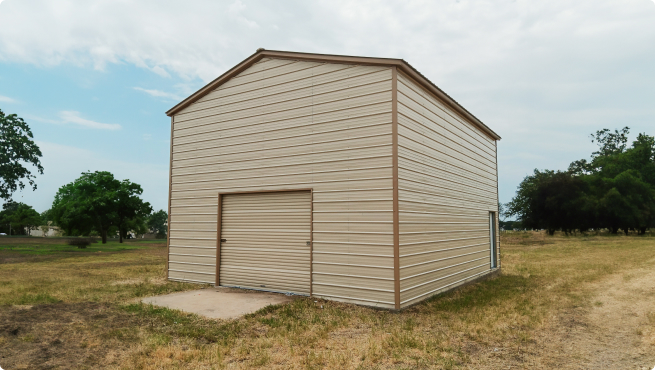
x=399, y=63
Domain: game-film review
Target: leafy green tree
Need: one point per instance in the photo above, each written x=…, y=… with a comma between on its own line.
x=641, y=158
x=98, y=201
x=8, y=209
x=158, y=223
x=627, y=202
x=552, y=200
x=615, y=189
x=27, y=218
x=131, y=210
x=87, y=203
x=16, y=149
x=137, y=225
x=20, y=216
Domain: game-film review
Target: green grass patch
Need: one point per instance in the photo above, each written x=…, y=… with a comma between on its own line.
x=175, y=323
x=39, y=298
x=47, y=249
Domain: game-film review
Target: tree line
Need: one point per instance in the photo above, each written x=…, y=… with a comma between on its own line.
x=614, y=189
x=94, y=204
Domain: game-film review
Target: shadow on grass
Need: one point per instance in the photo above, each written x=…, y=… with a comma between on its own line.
x=493, y=291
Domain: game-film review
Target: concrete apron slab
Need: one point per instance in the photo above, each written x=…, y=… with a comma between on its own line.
x=219, y=303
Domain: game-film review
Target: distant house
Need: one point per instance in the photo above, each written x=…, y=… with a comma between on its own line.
x=48, y=230
x=346, y=178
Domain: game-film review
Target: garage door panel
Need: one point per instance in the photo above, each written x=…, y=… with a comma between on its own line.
x=281, y=262
x=270, y=255
x=292, y=240
x=265, y=233
x=266, y=244
x=249, y=283
x=265, y=250
x=266, y=237
x=264, y=219
x=272, y=272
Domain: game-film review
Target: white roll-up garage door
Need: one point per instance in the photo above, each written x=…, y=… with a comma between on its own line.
x=266, y=241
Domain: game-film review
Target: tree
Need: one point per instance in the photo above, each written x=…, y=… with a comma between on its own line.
x=502, y=212
x=97, y=201
x=157, y=222
x=615, y=189
x=20, y=216
x=131, y=211
x=552, y=201
x=86, y=204
x=137, y=225
x=16, y=149
x=27, y=218
x=627, y=202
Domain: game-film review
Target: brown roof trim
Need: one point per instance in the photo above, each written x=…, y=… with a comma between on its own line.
x=399, y=63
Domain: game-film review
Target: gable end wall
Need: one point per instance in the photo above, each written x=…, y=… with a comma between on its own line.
x=285, y=124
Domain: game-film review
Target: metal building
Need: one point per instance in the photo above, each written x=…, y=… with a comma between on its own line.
x=347, y=178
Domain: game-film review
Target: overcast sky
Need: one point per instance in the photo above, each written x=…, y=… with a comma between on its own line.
x=94, y=78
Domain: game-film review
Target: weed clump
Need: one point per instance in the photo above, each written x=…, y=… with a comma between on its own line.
x=81, y=242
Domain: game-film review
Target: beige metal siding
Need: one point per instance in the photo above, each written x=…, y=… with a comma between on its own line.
x=267, y=241
x=447, y=185
x=284, y=124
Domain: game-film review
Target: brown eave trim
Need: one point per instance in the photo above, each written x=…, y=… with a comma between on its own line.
x=389, y=62
x=215, y=83
x=170, y=195
x=219, y=225
x=441, y=95
x=394, y=161
x=265, y=191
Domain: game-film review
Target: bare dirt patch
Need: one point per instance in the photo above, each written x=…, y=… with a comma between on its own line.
x=62, y=335
x=617, y=332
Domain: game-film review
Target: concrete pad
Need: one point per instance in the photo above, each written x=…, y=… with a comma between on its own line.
x=219, y=303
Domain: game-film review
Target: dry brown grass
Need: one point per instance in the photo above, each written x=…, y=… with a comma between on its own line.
x=500, y=322
x=83, y=276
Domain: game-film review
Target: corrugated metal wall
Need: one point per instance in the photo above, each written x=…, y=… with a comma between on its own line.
x=266, y=241
x=284, y=124
x=446, y=187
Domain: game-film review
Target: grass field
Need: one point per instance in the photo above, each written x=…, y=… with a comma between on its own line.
x=67, y=308
x=49, y=246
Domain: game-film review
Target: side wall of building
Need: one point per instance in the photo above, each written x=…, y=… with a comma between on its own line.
x=285, y=124
x=447, y=185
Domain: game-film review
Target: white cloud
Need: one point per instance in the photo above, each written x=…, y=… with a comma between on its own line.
x=160, y=71
x=204, y=38
x=159, y=93
x=74, y=117
x=147, y=137
x=236, y=9
x=6, y=99
x=542, y=74
x=29, y=117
